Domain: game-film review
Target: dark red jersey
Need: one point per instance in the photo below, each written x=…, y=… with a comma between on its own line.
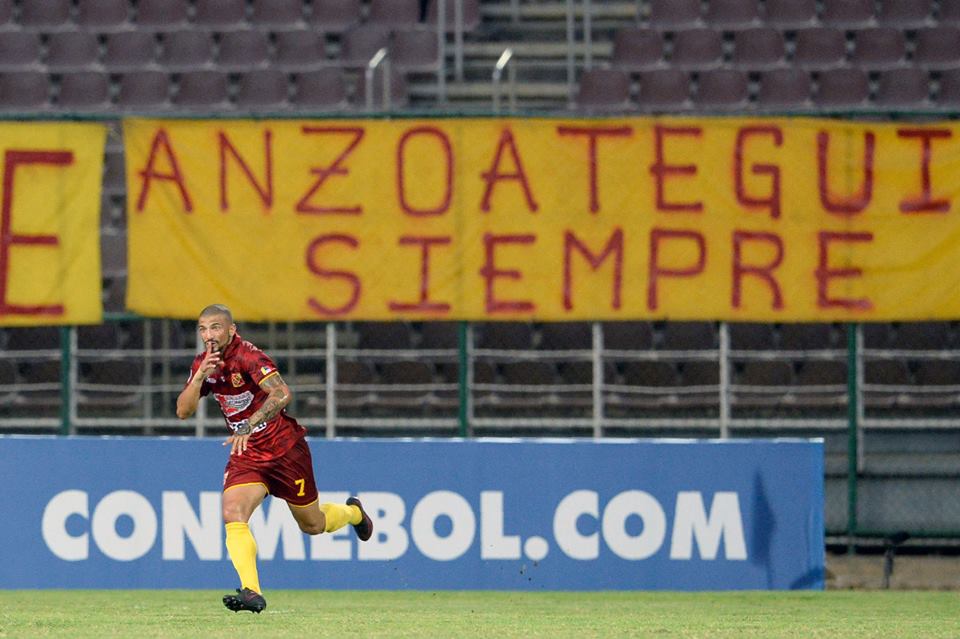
x=236, y=387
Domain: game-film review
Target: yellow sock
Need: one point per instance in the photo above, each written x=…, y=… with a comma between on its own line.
x=242, y=548
x=339, y=515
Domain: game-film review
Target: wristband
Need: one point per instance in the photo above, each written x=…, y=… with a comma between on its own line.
x=243, y=428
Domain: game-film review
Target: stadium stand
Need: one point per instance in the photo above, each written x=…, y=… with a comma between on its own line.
x=114, y=58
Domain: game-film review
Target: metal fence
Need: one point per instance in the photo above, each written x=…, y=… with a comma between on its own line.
x=891, y=441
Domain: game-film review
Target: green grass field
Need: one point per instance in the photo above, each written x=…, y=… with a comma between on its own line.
x=199, y=614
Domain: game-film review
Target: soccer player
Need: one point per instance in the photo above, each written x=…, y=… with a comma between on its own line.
x=268, y=452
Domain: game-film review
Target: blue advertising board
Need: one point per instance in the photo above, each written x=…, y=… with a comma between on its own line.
x=87, y=512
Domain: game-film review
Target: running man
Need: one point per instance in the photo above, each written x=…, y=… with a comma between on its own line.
x=268, y=452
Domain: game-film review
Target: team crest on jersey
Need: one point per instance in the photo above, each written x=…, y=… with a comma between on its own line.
x=237, y=380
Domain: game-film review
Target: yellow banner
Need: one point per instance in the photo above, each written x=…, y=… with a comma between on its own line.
x=550, y=219
x=49, y=223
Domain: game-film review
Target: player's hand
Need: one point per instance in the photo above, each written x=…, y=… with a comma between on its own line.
x=238, y=443
x=211, y=361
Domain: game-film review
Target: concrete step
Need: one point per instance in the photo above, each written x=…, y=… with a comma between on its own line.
x=525, y=51
x=557, y=11
x=549, y=91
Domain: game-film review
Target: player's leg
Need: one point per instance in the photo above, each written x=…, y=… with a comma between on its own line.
x=239, y=502
x=291, y=479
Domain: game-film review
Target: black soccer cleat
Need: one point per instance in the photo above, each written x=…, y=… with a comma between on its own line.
x=365, y=527
x=245, y=599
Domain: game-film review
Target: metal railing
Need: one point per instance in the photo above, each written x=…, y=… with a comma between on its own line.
x=504, y=62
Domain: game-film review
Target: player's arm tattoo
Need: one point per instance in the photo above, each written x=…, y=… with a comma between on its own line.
x=278, y=398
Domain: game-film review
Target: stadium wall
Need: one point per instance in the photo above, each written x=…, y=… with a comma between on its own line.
x=86, y=512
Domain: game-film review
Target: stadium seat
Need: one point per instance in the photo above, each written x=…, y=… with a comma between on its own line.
x=360, y=44
x=635, y=49
x=439, y=335
x=557, y=336
x=665, y=89
x=845, y=87
x=948, y=12
x=689, y=336
x=190, y=49
x=143, y=91
x=69, y=51
x=527, y=373
x=129, y=51
x=759, y=48
x=602, y=90
x=627, y=336
x=876, y=334
x=880, y=48
x=675, y=14
x=84, y=91
x=822, y=373
x=98, y=337
x=243, y=50
x=45, y=15
x=923, y=336
x=819, y=48
x=783, y=88
x=471, y=14
x=41, y=388
x=33, y=338
x=320, y=90
x=263, y=90
x=383, y=335
x=19, y=51
x=8, y=379
x=394, y=14
x=751, y=336
x=790, y=14
x=939, y=381
x=111, y=386
x=504, y=335
x=733, y=14
x=113, y=173
x=847, y=13
x=948, y=93
x=722, y=89
x=113, y=252
x=103, y=15
x=937, y=48
x=24, y=91
x=114, y=293
x=415, y=50
x=6, y=15
x=701, y=384
x=885, y=381
x=761, y=384
x=807, y=337
x=697, y=49
x=220, y=15
x=202, y=90
x=416, y=373
x=162, y=15
x=651, y=373
x=298, y=50
x=335, y=16
x=906, y=14
x=908, y=87
x=277, y=14
x=351, y=373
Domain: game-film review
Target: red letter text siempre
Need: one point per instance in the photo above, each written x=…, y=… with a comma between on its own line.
x=658, y=237
x=423, y=303
x=614, y=246
x=347, y=276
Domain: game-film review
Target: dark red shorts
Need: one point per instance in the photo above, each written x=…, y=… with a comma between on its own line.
x=289, y=477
